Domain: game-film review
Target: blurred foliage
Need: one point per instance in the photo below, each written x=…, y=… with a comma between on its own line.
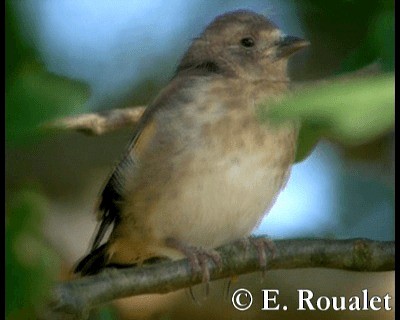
x=377, y=45
x=346, y=35
x=32, y=94
x=16, y=49
x=351, y=112
x=31, y=264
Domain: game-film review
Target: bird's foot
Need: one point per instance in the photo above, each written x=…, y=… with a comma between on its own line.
x=198, y=258
x=263, y=245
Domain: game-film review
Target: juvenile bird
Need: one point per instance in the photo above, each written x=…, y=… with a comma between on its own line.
x=201, y=170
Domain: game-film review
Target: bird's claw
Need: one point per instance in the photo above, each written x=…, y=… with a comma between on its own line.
x=263, y=245
x=198, y=258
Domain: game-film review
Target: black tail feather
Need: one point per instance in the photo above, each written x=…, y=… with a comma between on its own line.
x=94, y=262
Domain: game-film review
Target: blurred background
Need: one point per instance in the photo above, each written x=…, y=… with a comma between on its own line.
x=68, y=57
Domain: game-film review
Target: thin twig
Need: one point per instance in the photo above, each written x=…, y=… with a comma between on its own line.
x=77, y=297
x=98, y=123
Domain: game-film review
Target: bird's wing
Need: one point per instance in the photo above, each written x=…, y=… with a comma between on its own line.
x=113, y=192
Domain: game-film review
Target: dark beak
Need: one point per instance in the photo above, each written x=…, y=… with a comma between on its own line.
x=289, y=45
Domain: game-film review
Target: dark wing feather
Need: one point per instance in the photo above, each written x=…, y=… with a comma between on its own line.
x=113, y=192
x=110, y=197
x=93, y=262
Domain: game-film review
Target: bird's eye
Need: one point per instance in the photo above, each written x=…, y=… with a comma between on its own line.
x=247, y=42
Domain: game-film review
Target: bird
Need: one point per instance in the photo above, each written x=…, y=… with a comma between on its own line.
x=201, y=170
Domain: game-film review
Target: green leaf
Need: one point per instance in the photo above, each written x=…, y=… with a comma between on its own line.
x=374, y=47
x=34, y=96
x=384, y=25
x=31, y=265
x=351, y=112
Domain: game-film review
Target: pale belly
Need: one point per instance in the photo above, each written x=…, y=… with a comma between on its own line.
x=222, y=200
x=213, y=182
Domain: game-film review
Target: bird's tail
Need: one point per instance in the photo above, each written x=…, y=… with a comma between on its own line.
x=97, y=260
x=94, y=262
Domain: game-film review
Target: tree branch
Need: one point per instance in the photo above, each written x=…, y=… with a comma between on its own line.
x=98, y=123
x=77, y=297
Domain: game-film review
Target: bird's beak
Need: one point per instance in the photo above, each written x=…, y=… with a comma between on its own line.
x=289, y=45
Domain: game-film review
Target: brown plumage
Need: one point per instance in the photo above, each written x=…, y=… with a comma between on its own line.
x=201, y=170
